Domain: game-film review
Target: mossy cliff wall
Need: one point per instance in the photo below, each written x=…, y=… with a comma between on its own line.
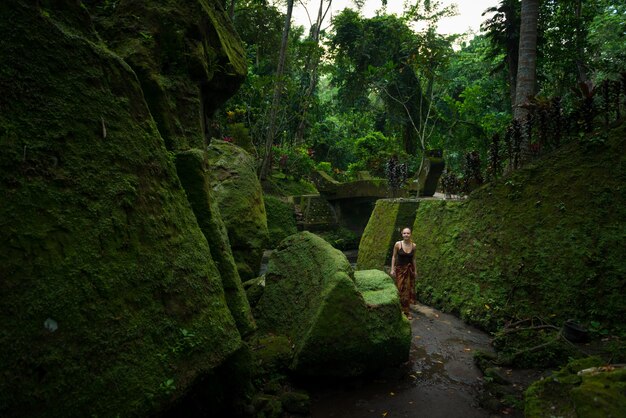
x=548, y=240
x=384, y=228
x=238, y=194
x=187, y=57
x=190, y=166
x=111, y=302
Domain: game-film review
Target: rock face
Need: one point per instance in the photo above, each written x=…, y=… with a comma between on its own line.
x=239, y=196
x=341, y=324
x=186, y=55
x=192, y=173
x=384, y=228
x=281, y=220
x=112, y=303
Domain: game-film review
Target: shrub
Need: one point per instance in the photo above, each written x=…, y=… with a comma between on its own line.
x=295, y=162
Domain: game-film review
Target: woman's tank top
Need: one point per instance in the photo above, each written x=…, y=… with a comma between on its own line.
x=405, y=258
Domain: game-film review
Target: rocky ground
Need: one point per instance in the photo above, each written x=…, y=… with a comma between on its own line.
x=440, y=379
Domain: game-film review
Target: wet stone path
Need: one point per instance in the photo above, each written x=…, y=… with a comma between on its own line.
x=440, y=379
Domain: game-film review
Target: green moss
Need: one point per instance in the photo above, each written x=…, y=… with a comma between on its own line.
x=254, y=289
x=547, y=240
x=384, y=228
x=281, y=221
x=305, y=255
x=567, y=394
x=340, y=237
x=377, y=287
x=175, y=47
x=238, y=194
x=97, y=235
x=272, y=355
x=312, y=297
x=602, y=395
x=191, y=172
x=281, y=185
x=317, y=213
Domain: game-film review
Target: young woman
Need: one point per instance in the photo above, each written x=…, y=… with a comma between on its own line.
x=403, y=270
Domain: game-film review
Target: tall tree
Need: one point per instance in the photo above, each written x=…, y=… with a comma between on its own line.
x=311, y=66
x=527, y=61
x=266, y=162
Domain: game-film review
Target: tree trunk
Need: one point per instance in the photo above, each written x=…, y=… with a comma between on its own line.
x=231, y=11
x=266, y=163
x=527, y=65
x=583, y=77
x=527, y=61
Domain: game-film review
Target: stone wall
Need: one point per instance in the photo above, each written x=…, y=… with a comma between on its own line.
x=384, y=228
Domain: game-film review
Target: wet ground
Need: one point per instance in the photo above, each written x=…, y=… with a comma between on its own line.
x=440, y=379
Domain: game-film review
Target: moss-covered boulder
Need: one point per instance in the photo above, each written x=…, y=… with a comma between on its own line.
x=281, y=219
x=384, y=228
x=240, y=199
x=584, y=388
x=340, y=326
x=111, y=302
x=254, y=289
x=186, y=55
x=190, y=166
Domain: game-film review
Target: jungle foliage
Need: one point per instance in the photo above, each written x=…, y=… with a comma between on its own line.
x=405, y=90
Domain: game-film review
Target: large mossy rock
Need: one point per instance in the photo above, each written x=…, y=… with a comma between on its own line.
x=238, y=193
x=583, y=388
x=192, y=172
x=281, y=219
x=187, y=57
x=111, y=302
x=384, y=228
x=341, y=325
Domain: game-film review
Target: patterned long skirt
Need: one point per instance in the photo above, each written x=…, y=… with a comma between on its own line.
x=405, y=281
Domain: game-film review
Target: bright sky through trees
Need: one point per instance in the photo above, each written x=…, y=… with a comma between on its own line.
x=468, y=18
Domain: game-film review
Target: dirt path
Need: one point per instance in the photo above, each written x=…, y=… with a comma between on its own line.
x=440, y=380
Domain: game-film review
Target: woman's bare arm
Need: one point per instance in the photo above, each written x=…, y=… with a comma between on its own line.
x=393, y=259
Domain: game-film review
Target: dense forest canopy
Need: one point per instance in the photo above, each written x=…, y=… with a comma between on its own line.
x=356, y=91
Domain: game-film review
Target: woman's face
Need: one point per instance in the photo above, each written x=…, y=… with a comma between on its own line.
x=406, y=233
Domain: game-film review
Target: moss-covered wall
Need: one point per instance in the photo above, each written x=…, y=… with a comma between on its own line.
x=187, y=57
x=281, y=220
x=548, y=241
x=384, y=228
x=190, y=166
x=238, y=193
x=111, y=302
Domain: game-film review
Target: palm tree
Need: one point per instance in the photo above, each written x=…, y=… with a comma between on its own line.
x=527, y=61
x=527, y=67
